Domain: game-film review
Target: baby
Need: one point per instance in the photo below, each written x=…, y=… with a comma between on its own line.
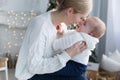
x=90, y=32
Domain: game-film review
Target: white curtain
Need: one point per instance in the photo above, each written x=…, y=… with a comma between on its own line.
x=113, y=26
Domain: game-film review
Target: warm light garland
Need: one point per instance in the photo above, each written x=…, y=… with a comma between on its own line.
x=15, y=21
x=13, y=24
x=19, y=19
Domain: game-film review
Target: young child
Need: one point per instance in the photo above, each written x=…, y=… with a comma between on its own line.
x=90, y=32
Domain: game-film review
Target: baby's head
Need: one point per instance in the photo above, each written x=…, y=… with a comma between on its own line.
x=93, y=26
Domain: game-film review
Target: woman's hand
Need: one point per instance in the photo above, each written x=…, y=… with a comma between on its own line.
x=76, y=48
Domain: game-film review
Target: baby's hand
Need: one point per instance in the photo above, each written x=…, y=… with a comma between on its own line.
x=77, y=28
x=60, y=30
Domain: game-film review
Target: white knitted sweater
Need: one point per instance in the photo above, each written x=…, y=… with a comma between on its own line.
x=70, y=38
x=36, y=55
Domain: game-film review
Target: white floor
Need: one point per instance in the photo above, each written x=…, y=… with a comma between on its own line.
x=11, y=73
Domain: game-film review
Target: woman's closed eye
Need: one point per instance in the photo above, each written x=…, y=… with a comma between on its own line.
x=83, y=18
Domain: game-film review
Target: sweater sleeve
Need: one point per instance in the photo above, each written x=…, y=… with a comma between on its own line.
x=37, y=63
x=67, y=40
x=90, y=41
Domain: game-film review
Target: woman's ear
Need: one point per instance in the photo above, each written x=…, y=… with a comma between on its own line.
x=69, y=11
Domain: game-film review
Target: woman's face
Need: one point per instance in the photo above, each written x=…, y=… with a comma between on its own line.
x=87, y=25
x=76, y=18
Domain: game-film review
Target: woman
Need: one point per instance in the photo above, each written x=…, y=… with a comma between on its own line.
x=37, y=60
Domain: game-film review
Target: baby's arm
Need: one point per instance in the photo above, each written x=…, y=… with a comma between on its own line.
x=67, y=40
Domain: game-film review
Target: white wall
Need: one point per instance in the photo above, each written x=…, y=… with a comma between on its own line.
x=25, y=5
x=12, y=12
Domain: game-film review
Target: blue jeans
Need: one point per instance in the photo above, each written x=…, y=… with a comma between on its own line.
x=72, y=71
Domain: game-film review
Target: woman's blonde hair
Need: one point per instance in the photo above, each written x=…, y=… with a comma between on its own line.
x=79, y=6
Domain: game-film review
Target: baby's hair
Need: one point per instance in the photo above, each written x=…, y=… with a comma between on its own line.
x=98, y=27
x=79, y=6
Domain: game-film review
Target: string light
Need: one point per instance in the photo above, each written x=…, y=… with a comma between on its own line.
x=16, y=24
x=16, y=21
x=19, y=18
x=15, y=44
x=21, y=34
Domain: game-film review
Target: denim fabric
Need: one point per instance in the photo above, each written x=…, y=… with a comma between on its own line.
x=72, y=71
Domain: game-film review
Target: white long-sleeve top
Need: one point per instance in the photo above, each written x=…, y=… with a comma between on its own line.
x=36, y=55
x=70, y=38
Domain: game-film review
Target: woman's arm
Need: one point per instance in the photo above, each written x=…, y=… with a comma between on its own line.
x=67, y=40
x=37, y=63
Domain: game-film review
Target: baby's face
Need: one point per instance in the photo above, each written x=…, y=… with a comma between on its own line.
x=84, y=26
